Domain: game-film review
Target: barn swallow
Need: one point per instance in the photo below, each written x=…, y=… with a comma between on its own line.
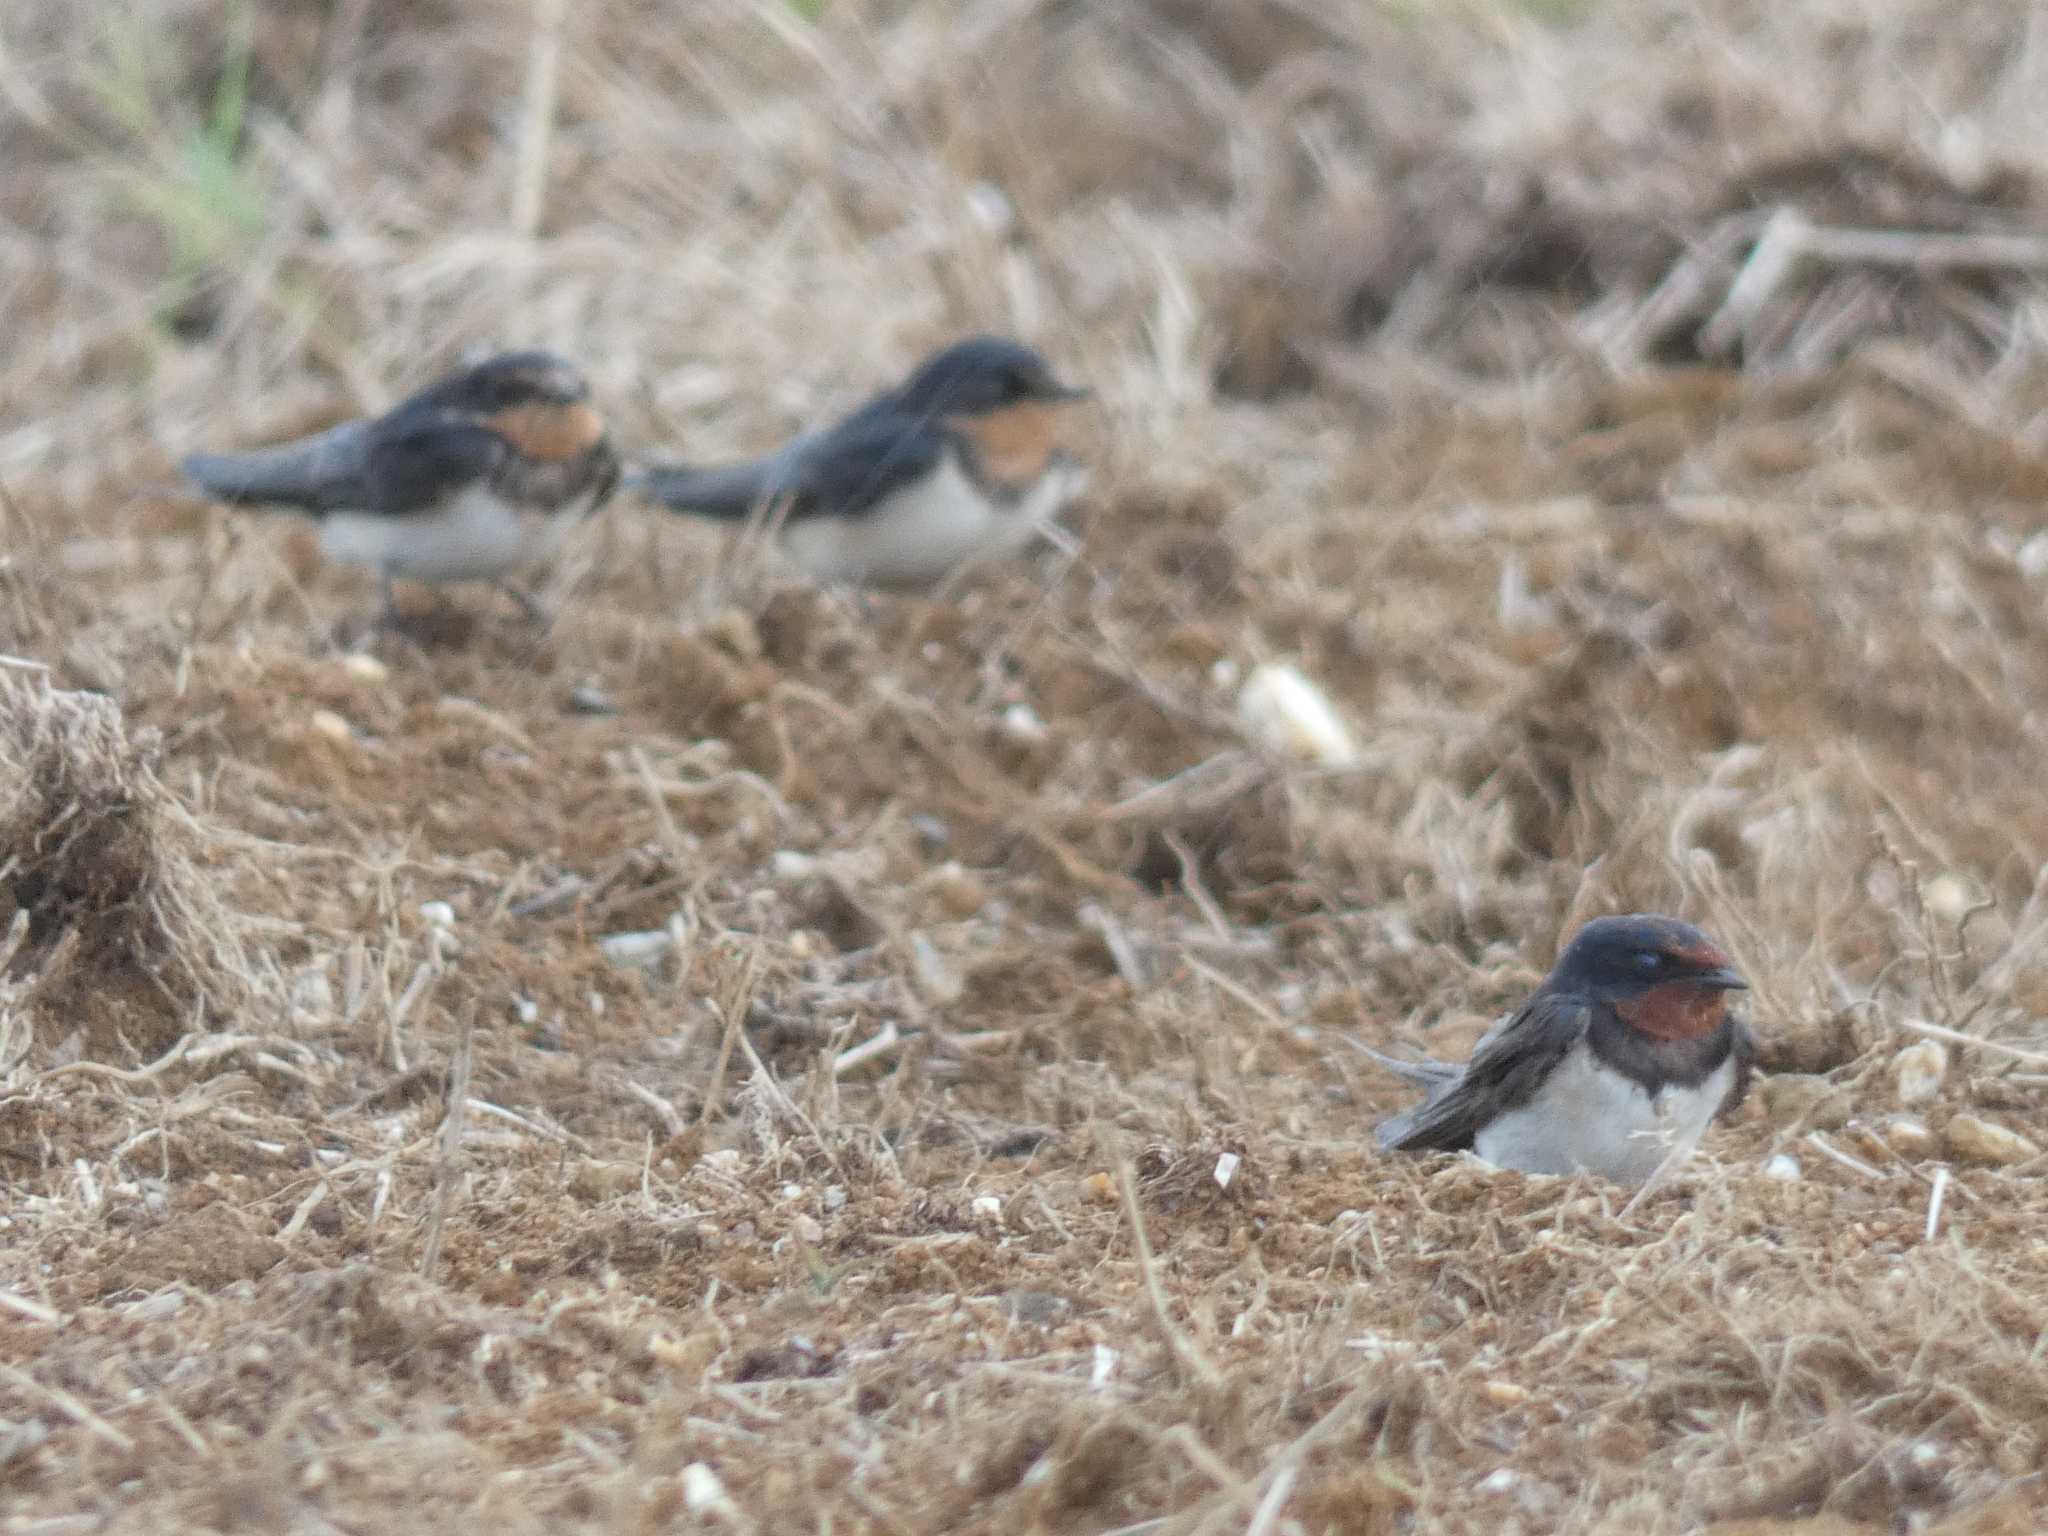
x=475, y=476
x=1617, y=1061
x=960, y=463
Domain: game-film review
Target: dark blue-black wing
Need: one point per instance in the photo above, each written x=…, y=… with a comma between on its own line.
x=1507, y=1067
x=317, y=473
x=868, y=457
x=396, y=465
x=845, y=470
x=730, y=491
x=415, y=462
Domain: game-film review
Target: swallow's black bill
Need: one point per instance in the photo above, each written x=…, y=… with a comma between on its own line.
x=1723, y=978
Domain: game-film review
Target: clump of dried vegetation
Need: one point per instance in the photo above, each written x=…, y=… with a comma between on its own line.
x=117, y=929
x=764, y=1059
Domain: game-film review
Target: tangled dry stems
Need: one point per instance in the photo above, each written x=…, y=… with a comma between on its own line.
x=115, y=923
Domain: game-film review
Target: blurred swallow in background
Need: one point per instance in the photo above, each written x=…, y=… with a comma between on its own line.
x=473, y=478
x=962, y=463
x=1618, y=1061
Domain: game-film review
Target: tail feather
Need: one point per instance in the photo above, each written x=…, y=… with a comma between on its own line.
x=1424, y=1073
x=729, y=491
x=1446, y=1121
x=317, y=473
x=1435, y=1078
x=1393, y=1131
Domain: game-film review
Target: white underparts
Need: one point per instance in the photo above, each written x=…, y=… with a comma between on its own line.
x=922, y=532
x=1589, y=1116
x=474, y=535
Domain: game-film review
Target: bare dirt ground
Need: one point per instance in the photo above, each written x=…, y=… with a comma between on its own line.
x=755, y=1059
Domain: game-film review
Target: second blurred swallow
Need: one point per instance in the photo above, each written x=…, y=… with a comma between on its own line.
x=961, y=463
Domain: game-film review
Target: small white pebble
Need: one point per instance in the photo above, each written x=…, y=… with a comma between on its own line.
x=1380, y=1346
x=365, y=668
x=438, y=914
x=1948, y=896
x=939, y=981
x=991, y=207
x=988, y=1206
x=1918, y=1071
x=1784, y=1168
x=1516, y=602
x=154, y=1309
x=527, y=1009
x=1977, y=1140
x=1226, y=1169
x=331, y=725
x=1021, y=723
x=1104, y=1367
x=788, y=864
x=1499, y=1482
x=633, y=949
x=1909, y=1137
x=589, y=700
x=1224, y=673
x=792, y=1191
x=835, y=1198
x=1281, y=709
x=2032, y=558
x=702, y=1491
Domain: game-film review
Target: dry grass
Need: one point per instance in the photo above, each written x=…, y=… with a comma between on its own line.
x=435, y=1094
x=112, y=922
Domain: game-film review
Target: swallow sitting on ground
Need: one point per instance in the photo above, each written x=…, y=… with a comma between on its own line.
x=961, y=463
x=1619, y=1059
x=474, y=477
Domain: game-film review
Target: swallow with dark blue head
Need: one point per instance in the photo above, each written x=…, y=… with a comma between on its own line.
x=1616, y=1063
x=475, y=477
x=966, y=461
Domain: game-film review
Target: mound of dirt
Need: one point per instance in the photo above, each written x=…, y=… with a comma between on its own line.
x=118, y=930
